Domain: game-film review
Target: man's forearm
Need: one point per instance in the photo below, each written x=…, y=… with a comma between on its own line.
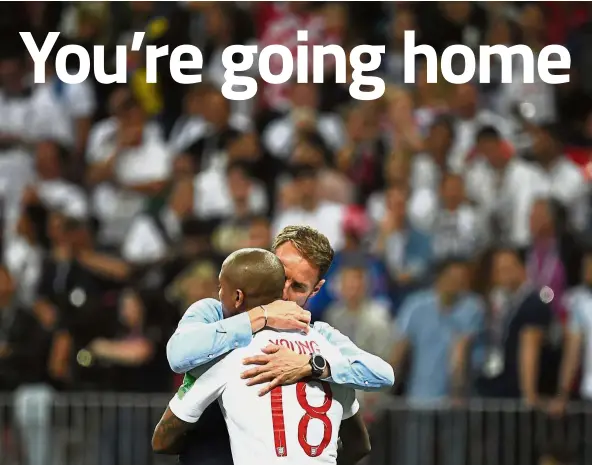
x=355, y=441
x=569, y=363
x=195, y=342
x=169, y=435
x=459, y=366
x=354, y=367
x=530, y=348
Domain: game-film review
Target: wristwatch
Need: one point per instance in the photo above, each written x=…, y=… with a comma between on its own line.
x=318, y=365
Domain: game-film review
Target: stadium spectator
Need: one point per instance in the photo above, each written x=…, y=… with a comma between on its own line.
x=545, y=267
x=310, y=210
x=457, y=228
x=518, y=330
x=407, y=251
x=150, y=235
x=364, y=320
x=503, y=188
x=435, y=327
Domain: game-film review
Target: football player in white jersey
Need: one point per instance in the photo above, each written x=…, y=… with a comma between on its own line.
x=294, y=424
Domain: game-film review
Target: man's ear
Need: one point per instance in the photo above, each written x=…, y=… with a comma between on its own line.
x=239, y=298
x=317, y=288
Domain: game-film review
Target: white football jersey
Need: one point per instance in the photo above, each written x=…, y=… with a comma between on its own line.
x=294, y=424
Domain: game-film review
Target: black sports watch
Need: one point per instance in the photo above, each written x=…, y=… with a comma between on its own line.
x=318, y=365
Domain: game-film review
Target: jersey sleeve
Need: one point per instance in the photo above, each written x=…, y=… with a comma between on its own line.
x=350, y=404
x=198, y=392
x=203, y=334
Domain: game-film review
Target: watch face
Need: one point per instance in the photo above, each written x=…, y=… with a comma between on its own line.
x=319, y=362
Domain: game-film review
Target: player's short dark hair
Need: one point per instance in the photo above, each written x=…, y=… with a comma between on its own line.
x=258, y=273
x=312, y=245
x=488, y=132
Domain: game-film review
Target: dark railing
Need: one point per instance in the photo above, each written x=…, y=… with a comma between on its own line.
x=481, y=432
x=38, y=427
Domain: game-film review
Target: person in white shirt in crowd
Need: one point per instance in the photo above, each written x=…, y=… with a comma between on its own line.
x=104, y=131
x=563, y=180
x=208, y=139
x=428, y=167
x=50, y=191
x=151, y=236
x=222, y=193
x=16, y=135
x=197, y=122
x=326, y=217
x=51, y=187
x=577, y=350
x=470, y=118
x=128, y=164
x=536, y=99
x=457, y=228
x=63, y=112
x=282, y=134
x=503, y=188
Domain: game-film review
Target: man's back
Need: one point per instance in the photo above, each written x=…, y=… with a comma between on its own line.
x=294, y=424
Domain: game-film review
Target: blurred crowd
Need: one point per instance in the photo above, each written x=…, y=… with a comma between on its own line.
x=443, y=203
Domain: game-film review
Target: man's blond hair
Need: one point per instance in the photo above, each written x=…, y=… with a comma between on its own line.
x=312, y=245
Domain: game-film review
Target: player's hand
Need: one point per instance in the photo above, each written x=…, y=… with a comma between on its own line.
x=286, y=315
x=278, y=366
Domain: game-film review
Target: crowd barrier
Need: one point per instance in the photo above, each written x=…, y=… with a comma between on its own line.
x=39, y=427
x=481, y=432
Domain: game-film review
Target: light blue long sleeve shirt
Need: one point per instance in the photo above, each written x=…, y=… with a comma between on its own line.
x=203, y=334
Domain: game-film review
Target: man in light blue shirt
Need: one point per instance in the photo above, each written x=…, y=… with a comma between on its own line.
x=437, y=326
x=204, y=333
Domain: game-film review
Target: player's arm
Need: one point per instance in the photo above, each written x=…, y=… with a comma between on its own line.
x=347, y=365
x=204, y=334
x=169, y=435
x=355, y=441
x=187, y=406
x=353, y=434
